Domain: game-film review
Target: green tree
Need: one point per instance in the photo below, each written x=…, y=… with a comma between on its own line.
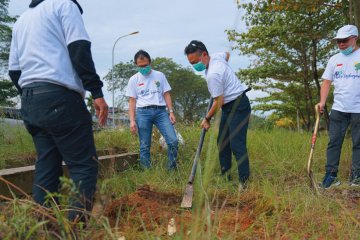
x=354, y=12
x=350, y=8
x=90, y=105
x=5, y=33
x=189, y=91
x=7, y=92
x=122, y=73
x=7, y=89
x=290, y=44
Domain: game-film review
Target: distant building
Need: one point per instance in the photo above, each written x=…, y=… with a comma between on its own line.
x=116, y=110
x=121, y=117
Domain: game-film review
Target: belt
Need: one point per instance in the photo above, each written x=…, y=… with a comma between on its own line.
x=238, y=98
x=39, y=88
x=153, y=107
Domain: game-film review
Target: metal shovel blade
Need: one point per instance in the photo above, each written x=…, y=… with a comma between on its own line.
x=188, y=196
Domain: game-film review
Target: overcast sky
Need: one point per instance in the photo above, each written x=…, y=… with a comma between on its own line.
x=165, y=27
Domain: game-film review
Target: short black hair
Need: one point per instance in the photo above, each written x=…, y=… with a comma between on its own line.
x=140, y=54
x=194, y=46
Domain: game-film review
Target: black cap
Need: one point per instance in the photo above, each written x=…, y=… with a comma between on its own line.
x=194, y=46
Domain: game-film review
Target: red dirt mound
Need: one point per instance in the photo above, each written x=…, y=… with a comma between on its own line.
x=149, y=210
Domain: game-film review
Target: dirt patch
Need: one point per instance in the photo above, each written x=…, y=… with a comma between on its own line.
x=149, y=210
x=351, y=195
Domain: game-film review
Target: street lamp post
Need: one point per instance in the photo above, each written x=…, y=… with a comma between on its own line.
x=112, y=75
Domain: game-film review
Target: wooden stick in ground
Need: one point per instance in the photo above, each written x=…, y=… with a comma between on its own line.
x=313, y=141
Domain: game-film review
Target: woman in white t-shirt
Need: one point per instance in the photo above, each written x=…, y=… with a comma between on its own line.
x=343, y=70
x=149, y=96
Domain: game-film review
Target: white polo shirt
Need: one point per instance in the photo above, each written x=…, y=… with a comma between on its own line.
x=221, y=79
x=344, y=72
x=39, y=44
x=149, y=89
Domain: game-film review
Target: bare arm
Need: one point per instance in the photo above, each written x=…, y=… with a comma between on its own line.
x=324, y=92
x=218, y=102
x=168, y=101
x=169, y=105
x=132, y=107
x=101, y=109
x=227, y=56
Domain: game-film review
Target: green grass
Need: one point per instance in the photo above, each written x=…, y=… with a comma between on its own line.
x=17, y=148
x=281, y=205
x=15, y=145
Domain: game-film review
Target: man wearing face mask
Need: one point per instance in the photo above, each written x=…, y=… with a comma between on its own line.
x=149, y=95
x=229, y=95
x=343, y=70
x=51, y=65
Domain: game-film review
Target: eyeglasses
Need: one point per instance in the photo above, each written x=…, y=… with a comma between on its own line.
x=338, y=41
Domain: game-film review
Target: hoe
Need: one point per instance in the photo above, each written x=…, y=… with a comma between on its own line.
x=189, y=190
x=313, y=141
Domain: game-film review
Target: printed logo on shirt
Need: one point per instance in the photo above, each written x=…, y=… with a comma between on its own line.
x=157, y=83
x=339, y=74
x=144, y=92
x=339, y=65
x=357, y=66
x=141, y=84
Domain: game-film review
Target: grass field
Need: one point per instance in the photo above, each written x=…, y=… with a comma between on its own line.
x=278, y=203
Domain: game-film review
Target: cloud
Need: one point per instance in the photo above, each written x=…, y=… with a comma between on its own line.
x=166, y=27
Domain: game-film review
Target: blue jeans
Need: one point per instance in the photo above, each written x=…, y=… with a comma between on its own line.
x=232, y=136
x=339, y=122
x=145, y=119
x=61, y=128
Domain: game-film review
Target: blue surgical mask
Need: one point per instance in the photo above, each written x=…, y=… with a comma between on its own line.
x=347, y=51
x=144, y=70
x=200, y=66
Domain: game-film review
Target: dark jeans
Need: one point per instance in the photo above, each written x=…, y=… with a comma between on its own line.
x=339, y=122
x=232, y=136
x=61, y=128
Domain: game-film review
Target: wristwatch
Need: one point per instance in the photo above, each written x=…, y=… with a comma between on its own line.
x=208, y=119
x=171, y=110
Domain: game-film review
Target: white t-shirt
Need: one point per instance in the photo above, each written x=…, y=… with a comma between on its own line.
x=39, y=44
x=221, y=79
x=344, y=72
x=149, y=89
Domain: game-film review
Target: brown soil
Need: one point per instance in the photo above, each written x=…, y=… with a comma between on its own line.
x=350, y=197
x=149, y=210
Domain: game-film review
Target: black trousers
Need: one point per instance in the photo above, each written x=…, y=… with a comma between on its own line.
x=339, y=122
x=61, y=128
x=232, y=136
